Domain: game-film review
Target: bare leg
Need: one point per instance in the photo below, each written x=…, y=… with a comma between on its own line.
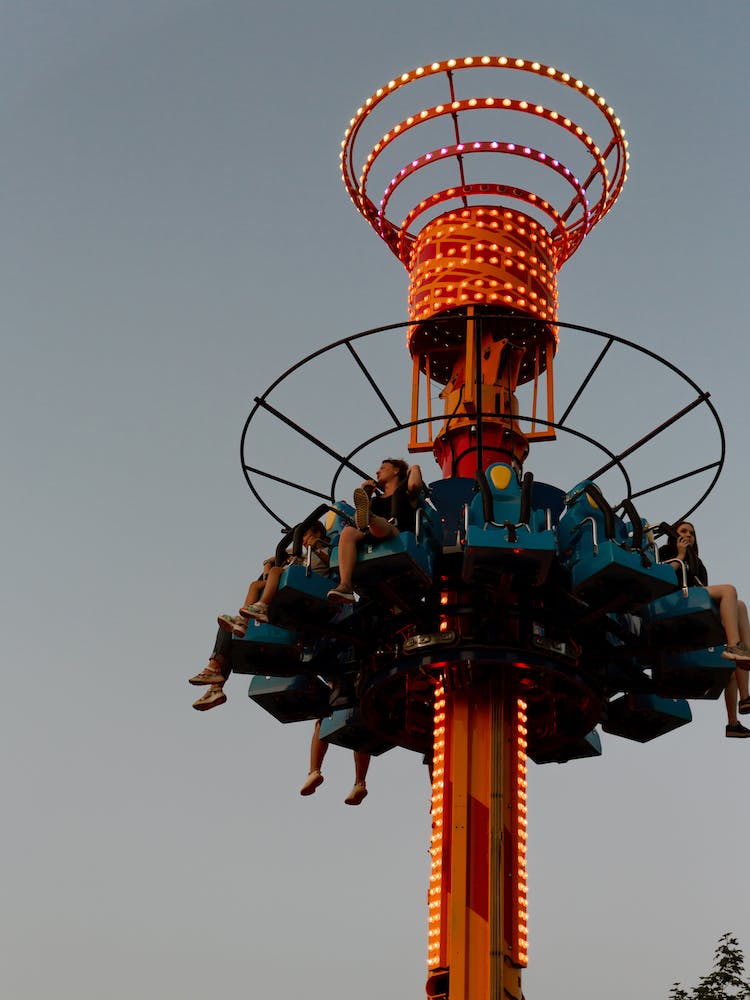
x=741, y=677
x=743, y=622
x=348, y=540
x=272, y=584
x=725, y=595
x=361, y=764
x=318, y=750
x=359, y=790
x=254, y=591
x=730, y=699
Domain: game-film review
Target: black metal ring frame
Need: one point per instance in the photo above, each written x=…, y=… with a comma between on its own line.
x=346, y=461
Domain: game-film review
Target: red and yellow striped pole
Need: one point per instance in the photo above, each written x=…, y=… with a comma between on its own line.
x=477, y=896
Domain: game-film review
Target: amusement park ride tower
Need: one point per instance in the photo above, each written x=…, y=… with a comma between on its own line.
x=519, y=616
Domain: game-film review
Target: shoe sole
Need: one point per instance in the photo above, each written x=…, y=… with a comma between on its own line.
x=199, y=681
x=361, y=509
x=310, y=789
x=337, y=597
x=204, y=707
x=737, y=736
x=737, y=657
x=354, y=800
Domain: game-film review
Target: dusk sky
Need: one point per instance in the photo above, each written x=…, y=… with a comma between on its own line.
x=174, y=235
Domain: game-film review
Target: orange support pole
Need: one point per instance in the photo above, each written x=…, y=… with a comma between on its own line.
x=477, y=933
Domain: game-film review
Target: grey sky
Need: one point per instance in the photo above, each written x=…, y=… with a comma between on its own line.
x=174, y=234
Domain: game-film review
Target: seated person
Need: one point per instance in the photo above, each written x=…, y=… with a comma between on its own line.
x=378, y=515
x=315, y=540
x=314, y=779
x=259, y=595
x=734, y=617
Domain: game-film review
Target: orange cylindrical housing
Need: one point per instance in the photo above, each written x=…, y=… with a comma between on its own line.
x=483, y=255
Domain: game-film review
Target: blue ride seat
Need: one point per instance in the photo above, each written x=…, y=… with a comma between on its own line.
x=301, y=598
x=686, y=619
x=562, y=749
x=398, y=568
x=642, y=717
x=702, y=673
x=345, y=728
x=267, y=649
x=608, y=563
x=504, y=533
x=450, y=497
x=301, y=698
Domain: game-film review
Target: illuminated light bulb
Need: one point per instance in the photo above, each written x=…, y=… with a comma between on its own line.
x=419, y=71
x=494, y=145
x=451, y=63
x=566, y=77
x=506, y=102
x=551, y=70
x=503, y=61
x=535, y=66
x=391, y=84
x=579, y=84
x=473, y=102
x=511, y=146
x=524, y=105
x=468, y=61
x=456, y=105
x=519, y=63
x=435, y=66
x=591, y=92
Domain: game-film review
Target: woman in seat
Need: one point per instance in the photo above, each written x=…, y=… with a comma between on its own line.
x=683, y=551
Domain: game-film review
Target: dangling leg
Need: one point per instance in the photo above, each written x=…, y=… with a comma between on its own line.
x=359, y=791
x=318, y=750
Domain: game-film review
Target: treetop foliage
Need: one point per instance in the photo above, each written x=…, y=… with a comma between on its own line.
x=725, y=981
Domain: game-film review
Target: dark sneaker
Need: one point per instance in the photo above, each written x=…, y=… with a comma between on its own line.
x=359, y=792
x=361, y=509
x=215, y=696
x=313, y=781
x=737, y=731
x=737, y=652
x=744, y=708
x=341, y=595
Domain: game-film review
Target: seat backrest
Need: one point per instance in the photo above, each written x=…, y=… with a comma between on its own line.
x=587, y=516
x=450, y=497
x=500, y=502
x=339, y=515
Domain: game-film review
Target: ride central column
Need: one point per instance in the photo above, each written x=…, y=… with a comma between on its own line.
x=482, y=242
x=477, y=896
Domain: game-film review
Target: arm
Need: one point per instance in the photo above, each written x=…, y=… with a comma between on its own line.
x=414, y=481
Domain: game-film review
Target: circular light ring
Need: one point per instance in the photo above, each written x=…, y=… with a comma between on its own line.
x=616, y=145
x=509, y=148
x=406, y=242
x=474, y=62
x=496, y=103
